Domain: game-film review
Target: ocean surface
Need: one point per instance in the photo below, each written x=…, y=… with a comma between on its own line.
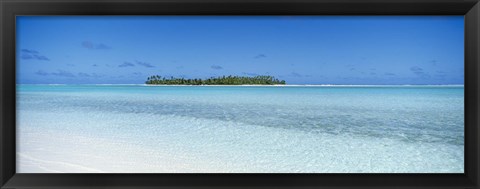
x=240, y=129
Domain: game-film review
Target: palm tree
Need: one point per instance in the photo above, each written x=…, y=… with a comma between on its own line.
x=222, y=80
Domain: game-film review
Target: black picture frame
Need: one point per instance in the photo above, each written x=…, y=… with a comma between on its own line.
x=9, y=9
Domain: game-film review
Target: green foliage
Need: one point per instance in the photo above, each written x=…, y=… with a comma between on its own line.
x=223, y=80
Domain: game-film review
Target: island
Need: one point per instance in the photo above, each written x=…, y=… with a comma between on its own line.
x=221, y=80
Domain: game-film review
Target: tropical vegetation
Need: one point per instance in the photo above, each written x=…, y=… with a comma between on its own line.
x=222, y=80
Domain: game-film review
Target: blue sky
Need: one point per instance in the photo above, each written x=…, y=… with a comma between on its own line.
x=298, y=49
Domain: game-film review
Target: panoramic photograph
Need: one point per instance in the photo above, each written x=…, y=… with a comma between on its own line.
x=240, y=94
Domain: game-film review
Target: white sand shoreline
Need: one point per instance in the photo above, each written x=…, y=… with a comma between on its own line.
x=293, y=85
x=193, y=145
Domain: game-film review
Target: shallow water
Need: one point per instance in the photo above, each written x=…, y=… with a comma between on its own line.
x=135, y=128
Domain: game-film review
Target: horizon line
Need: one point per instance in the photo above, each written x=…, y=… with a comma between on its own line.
x=260, y=85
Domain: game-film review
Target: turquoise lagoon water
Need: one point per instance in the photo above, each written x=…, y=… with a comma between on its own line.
x=253, y=129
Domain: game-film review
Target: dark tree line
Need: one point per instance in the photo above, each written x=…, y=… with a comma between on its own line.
x=223, y=80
